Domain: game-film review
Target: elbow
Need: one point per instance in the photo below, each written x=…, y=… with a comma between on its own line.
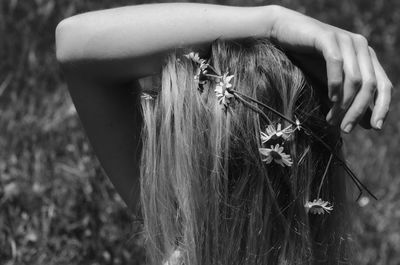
x=67, y=41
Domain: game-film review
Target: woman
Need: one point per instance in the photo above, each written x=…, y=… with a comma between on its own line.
x=104, y=53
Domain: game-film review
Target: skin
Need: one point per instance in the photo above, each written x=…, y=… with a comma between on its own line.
x=104, y=53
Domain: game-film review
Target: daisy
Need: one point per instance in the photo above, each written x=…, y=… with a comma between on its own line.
x=146, y=96
x=224, y=94
x=200, y=74
x=194, y=56
x=176, y=258
x=201, y=70
x=277, y=155
x=318, y=206
x=272, y=133
x=298, y=125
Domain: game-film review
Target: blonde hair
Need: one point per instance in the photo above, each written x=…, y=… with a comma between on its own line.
x=205, y=191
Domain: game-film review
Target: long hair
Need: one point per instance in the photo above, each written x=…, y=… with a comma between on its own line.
x=208, y=198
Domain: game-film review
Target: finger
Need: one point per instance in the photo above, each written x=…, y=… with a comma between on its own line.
x=365, y=120
x=335, y=114
x=334, y=64
x=365, y=95
x=384, y=93
x=352, y=78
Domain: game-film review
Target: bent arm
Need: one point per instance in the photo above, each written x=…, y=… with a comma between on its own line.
x=113, y=47
x=134, y=39
x=110, y=114
x=102, y=54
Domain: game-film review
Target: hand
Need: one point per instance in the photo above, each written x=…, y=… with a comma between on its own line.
x=353, y=72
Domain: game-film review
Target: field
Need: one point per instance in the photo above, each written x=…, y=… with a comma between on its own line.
x=56, y=205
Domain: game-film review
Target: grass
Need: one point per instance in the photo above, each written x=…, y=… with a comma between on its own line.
x=56, y=205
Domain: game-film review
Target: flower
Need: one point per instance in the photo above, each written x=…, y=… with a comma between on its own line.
x=201, y=69
x=146, y=96
x=363, y=201
x=277, y=155
x=224, y=94
x=194, y=56
x=318, y=206
x=272, y=133
x=298, y=124
x=200, y=74
x=176, y=258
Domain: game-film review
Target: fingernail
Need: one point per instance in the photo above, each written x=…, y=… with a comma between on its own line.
x=334, y=98
x=329, y=117
x=379, y=124
x=348, y=128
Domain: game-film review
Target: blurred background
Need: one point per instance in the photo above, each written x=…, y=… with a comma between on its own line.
x=57, y=207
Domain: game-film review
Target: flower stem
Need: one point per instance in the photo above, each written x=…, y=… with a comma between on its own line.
x=215, y=76
x=357, y=182
x=325, y=173
x=254, y=108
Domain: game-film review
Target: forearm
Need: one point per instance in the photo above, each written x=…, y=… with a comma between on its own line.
x=136, y=34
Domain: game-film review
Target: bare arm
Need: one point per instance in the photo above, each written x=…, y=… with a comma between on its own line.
x=134, y=39
x=102, y=51
x=111, y=117
x=131, y=42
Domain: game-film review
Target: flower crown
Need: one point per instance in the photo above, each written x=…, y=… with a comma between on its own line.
x=228, y=97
